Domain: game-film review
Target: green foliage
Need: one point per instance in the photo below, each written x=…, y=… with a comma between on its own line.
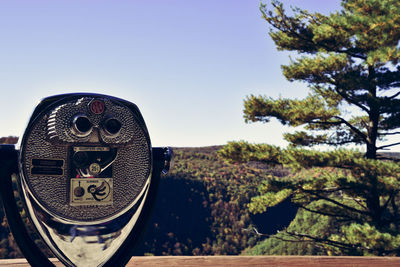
x=369, y=237
x=343, y=181
x=350, y=60
x=292, y=112
x=284, y=244
x=245, y=152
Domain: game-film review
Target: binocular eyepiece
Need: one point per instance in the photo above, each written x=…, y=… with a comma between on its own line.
x=88, y=175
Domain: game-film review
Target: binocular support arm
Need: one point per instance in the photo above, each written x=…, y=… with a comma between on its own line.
x=9, y=167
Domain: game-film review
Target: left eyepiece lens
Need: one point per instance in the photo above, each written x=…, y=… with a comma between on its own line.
x=81, y=125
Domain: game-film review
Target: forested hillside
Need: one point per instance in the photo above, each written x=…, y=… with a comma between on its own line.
x=201, y=208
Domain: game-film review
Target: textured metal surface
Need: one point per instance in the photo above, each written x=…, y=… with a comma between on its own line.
x=51, y=138
x=53, y=151
x=59, y=122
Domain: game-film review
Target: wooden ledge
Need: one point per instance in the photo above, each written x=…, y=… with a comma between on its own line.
x=245, y=261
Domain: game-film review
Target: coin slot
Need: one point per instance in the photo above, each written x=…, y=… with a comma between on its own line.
x=49, y=167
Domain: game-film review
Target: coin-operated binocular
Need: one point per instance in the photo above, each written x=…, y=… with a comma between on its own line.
x=88, y=176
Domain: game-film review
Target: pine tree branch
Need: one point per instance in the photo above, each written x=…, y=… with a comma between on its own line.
x=394, y=96
x=339, y=143
x=358, y=201
x=350, y=99
x=319, y=196
x=392, y=195
x=298, y=241
x=382, y=147
x=341, y=245
x=354, y=129
x=327, y=241
x=288, y=29
x=385, y=134
x=327, y=48
x=328, y=213
x=314, y=44
x=395, y=215
x=325, y=122
x=331, y=141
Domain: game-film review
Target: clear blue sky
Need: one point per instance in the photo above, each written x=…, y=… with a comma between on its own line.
x=187, y=64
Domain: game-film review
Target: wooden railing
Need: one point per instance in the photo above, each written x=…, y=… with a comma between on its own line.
x=244, y=261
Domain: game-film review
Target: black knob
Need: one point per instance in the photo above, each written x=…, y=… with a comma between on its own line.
x=79, y=191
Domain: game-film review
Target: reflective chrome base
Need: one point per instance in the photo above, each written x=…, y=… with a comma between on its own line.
x=84, y=244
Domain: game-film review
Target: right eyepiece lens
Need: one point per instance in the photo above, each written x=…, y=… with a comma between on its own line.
x=82, y=124
x=112, y=126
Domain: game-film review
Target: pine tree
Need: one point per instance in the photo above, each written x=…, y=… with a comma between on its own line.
x=350, y=61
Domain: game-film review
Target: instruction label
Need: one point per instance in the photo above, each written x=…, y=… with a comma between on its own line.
x=91, y=191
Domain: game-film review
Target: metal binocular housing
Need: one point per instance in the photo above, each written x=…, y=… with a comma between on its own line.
x=87, y=175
